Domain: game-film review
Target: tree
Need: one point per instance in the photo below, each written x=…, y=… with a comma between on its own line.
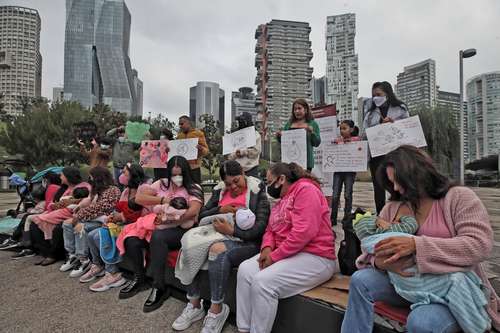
x=442, y=136
x=214, y=158
x=158, y=123
x=106, y=119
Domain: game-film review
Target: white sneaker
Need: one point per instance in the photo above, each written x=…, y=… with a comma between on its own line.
x=214, y=323
x=189, y=315
x=81, y=269
x=69, y=264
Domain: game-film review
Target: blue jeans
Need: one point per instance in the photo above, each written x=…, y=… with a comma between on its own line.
x=77, y=244
x=370, y=285
x=339, y=179
x=219, y=269
x=94, y=242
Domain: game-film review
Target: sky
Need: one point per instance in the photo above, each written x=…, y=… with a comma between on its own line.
x=174, y=44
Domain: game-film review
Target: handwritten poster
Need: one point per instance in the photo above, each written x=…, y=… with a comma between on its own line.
x=242, y=139
x=294, y=147
x=136, y=130
x=153, y=154
x=347, y=157
x=184, y=147
x=385, y=138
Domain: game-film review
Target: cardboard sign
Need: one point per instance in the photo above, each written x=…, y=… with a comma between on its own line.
x=242, y=139
x=294, y=147
x=153, y=154
x=136, y=130
x=184, y=147
x=346, y=157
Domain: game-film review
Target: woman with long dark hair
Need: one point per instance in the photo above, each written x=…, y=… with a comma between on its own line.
x=454, y=235
x=385, y=108
x=302, y=118
x=235, y=191
x=178, y=183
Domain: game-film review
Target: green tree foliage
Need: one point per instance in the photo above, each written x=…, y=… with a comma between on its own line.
x=158, y=123
x=214, y=157
x=105, y=118
x=442, y=135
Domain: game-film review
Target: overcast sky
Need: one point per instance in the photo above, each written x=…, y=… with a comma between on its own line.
x=174, y=44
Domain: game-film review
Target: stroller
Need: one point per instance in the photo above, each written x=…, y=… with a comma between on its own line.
x=25, y=188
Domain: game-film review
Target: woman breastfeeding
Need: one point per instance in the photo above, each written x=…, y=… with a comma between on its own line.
x=157, y=234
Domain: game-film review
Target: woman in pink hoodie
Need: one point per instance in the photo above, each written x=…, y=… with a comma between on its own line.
x=297, y=252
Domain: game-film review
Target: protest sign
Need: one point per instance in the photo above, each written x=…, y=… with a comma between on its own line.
x=242, y=139
x=153, y=154
x=136, y=130
x=184, y=147
x=294, y=147
x=347, y=157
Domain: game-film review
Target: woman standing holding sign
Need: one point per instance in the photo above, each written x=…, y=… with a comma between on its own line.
x=385, y=108
x=303, y=118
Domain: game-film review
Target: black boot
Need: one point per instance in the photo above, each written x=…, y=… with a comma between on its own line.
x=156, y=299
x=132, y=287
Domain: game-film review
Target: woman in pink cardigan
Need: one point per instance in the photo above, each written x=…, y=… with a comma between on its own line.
x=454, y=235
x=297, y=251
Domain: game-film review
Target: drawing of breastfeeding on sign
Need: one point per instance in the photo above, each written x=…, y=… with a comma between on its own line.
x=347, y=157
x=154, y=154
x=184, y=147
x=294, y=147
x=241, y=139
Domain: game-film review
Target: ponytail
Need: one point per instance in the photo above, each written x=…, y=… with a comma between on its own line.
x=292, y=171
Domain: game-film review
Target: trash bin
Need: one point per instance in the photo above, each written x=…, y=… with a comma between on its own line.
x=4, y=180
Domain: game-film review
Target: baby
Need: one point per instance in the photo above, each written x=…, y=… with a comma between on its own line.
x=72, y=202
x=244, y=218
x=167, y=214
x=462, y=292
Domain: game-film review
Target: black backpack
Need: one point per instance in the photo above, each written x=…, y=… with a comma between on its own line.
x=350, y=247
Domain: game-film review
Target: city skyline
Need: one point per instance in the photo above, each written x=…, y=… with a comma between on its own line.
x=171, y=53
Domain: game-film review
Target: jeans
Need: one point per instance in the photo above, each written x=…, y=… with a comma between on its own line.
x=378, y=190
x=370, y=285
x=219, y=269
x=339, y=179
x=94, y=242
x=77, y=244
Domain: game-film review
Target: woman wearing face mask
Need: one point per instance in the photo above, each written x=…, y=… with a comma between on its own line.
x=297, y=251
x=178, y=183
x=385, y=108
x=234, y=191
x=302, y=118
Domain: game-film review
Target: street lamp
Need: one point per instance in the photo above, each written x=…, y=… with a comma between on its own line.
x=461, y=55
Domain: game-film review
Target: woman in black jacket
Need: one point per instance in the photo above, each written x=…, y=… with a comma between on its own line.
x=236, y=190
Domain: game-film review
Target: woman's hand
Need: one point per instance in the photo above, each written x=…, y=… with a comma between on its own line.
x=228, y=209
x=387, y=120
x=395, y=248
x=278, y=134
x=265, y=258
x=78, y=228
x=222, y=226
x=398, y=267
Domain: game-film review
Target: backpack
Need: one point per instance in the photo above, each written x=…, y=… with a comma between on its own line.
x=350, y=246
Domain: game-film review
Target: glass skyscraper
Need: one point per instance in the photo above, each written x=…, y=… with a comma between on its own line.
x=97, y=66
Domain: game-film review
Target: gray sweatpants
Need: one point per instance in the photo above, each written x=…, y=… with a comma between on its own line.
x=258, y=291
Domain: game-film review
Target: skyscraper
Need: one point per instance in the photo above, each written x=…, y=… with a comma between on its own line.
x=483, y=108
x=243, y=100
x=57, y=94
x=20, y=58
x=318, y=88
x=450, y=100
x=97, y=66
x=283, y=53
x=416, y=85
x=138, y=86
x=342, y=65
x=206, y=98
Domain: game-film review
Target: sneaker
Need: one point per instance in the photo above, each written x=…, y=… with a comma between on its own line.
x=9, y=243
x=92, y=273
x=69, y=264
x=108, y=281
x=214, y=323
x=26, y=253
x=81, y=269
x=189, y=315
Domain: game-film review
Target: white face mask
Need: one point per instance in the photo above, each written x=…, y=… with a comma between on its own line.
x=177, y=180
x=121, y=139
x=162, y=137
x=104, y=146
x=379, y=100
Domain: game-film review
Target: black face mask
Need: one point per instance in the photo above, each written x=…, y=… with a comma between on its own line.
x=274, y=192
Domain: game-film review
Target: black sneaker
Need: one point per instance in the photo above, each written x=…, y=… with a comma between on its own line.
x=9, y=243
x=26, y=253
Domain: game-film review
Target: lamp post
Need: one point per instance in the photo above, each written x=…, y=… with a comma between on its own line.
x=461, y=55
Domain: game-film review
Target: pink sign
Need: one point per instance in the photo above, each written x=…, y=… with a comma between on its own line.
x=154, y=154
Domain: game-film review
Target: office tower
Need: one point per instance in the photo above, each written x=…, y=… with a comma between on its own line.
x=416, y=85
x=451, y=101
x=318, y=88
x=20, y=58
x=342, y=65
x=206, y=98
x=243, y=100
x=57, y=94
x=138, y=86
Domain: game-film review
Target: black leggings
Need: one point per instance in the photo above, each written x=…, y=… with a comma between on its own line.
x=162, y=241
x=53, y=248
x=379, y=191
x=17, y=235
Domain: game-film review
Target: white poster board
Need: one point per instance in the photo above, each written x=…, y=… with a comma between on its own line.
x=294, y=147
x=347, y=157
x=386, y=137
x=242, y=139
x=328, y=132
x=184, y=147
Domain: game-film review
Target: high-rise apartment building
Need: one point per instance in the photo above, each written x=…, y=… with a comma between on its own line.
x=206, y=98
x=483, y=108
x=20, y=58
x=57, y=94
x=243, y=100
x=283, y=53
x=342, y=65
x=416, y=85
x=451, y=101
x=97, y=66
x=318, y=89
